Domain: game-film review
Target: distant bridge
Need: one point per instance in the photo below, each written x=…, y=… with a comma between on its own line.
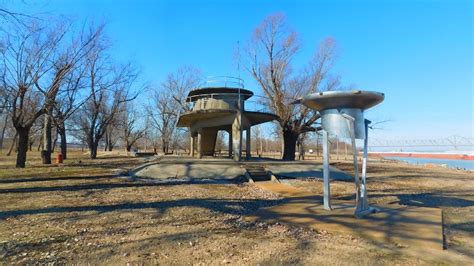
x=457, y=142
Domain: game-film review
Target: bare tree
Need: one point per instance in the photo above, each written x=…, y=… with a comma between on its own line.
x=169, y=102
x=13, y=144
x=181, y=82
x=257, y=140
x=36, y=60
x=271, y=50
x=64, y=62
x=3, y=130
x=26, y=58
x=110, y=88
x=3, y=110
x=181, y=140
x=220, y=142
x=10, y=16
x=9, y=20
x=111, y=137
x=69, y=99
x=164, y=116
x=132, y=132
x=36, y=135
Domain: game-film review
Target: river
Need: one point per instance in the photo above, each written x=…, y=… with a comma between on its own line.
x=463, y=164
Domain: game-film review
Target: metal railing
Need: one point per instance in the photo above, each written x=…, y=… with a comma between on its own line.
x=218, y=96
x=224, y=81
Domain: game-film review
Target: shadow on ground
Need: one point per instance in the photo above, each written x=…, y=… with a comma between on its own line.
x=239, y=207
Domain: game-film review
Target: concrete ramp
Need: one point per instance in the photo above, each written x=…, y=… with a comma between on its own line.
x=404, y=226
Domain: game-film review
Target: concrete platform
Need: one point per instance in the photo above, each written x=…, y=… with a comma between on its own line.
x=178, y=168
x=227, y=169
x=404, y=226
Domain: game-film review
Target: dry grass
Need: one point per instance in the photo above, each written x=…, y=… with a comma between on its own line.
x=83, y=212
x=78, y=164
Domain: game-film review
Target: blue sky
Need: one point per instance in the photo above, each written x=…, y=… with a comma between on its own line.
x=419, y=53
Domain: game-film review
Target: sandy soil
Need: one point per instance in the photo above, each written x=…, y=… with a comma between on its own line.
x=85, y=213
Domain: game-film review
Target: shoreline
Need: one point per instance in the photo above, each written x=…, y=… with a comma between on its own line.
x=449, y=156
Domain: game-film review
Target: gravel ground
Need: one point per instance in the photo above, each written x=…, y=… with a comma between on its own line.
x=74, y=217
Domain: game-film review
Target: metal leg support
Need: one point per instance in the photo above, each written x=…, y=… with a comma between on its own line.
x=362, y=204
x=363, y=207
x=350, y=125
x=326, y=186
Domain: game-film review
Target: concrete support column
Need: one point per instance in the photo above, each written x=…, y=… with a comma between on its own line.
x=237, y=137
x=230, y=143
x=191, y=145
x=199, y=144
x=247, y=144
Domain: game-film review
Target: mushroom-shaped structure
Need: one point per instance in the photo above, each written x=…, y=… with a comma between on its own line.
x=342, y=114
x=217, y=108
x=332, y=106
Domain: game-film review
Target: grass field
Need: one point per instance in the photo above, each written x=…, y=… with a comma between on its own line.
x=83, y=212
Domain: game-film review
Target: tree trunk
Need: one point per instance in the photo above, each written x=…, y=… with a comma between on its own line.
x=128, y=147
x=2, y=134
x=63, y=143
x=301, y=150
x=46, y=153
x=39, y=145
x=13, y=144
x=106, y=142
x=93, y=149
x=22, y=147
x=289, y=139
x=55, y=141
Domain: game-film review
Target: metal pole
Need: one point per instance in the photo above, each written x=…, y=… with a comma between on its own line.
x=240, y=124
x=337, y=148
x=364, y=204
x=345, y=148
x=350, y=124
x=191, y=139
x=248, y=150
x=317, y=144
x=363, y=207
x=326, y=185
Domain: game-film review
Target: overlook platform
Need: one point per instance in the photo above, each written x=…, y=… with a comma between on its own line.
x=221, y=108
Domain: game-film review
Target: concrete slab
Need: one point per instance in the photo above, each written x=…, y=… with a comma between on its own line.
x=189, y=169
x=215, y=168
x=405, y=226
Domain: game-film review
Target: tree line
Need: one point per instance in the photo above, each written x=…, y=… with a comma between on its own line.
x=59, y=80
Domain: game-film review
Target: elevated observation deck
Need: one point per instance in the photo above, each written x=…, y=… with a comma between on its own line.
x=220, y=105
x=214, y=101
